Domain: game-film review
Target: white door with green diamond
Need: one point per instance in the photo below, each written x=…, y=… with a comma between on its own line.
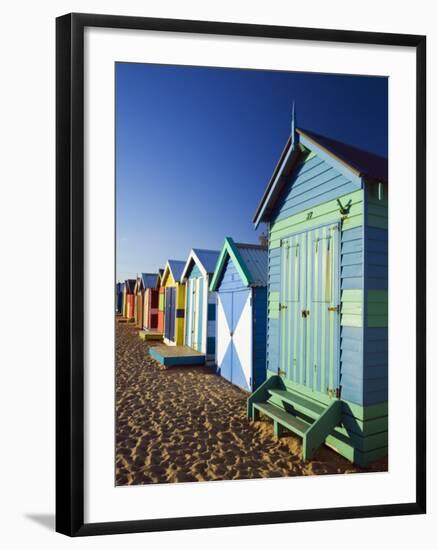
x=309, y=309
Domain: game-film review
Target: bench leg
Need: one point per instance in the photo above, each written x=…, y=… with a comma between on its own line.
x=277, y=429
x=255, y=413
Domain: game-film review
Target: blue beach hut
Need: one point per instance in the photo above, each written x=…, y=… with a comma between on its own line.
x=240, y=281
x=119, y=289
x=326, y=209
x=200, y=302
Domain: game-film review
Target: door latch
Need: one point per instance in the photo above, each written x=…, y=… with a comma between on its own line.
x=305, y=313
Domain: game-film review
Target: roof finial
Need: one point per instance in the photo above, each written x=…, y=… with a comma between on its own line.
x=293, y=121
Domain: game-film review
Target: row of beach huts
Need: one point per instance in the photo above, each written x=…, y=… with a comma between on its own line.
x=210, y=309
x=300, y=320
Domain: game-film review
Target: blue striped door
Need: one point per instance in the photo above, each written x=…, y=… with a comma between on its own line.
x=309, y=308
x=170, y=312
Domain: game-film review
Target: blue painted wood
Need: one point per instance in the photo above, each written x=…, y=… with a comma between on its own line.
x=211, y=312
x=313, y=182
x=200, y=315
x=375, y=349
x=210, y=346
x=324, y=155
x=170, y=312
x=189, y=298
x=377, y=258
x=230, y=280
x=259, y=304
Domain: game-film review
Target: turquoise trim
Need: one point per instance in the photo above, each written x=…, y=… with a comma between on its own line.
x=230, y=250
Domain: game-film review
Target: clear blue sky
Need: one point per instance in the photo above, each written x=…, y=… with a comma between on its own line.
x=195, y=148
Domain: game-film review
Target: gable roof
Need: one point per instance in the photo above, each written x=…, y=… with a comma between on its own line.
x=362, y=165
x=175, y=267
x=129, y=285
x=368, y=165
x=149, y=280
x=250, y=260
x=206, y=260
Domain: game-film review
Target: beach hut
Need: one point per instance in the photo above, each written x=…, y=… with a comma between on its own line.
x=174, y=312
x=325, y=207
x=161, y=302
x=138, y=302
x=151, y=302
x=129, y=299
x=240, y=283
x=119, y=287
x=200, y=302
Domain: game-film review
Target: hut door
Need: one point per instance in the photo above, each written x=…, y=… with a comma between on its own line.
x=194, y=313
x=234, y=341
x=170, y=312
x=309, y=309
x=323, y=323
x=292, y=302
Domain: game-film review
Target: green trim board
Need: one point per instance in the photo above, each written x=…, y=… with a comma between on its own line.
x=377, y=308
x=325, y=213
x=229, y=249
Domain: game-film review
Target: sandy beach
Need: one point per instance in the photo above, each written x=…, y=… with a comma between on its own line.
x=188, y=424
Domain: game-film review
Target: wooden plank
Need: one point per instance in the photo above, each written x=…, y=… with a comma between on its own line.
x=352, y=295
x=293, y=423
x=311, y=408
x=320, y=429
x=351, y=320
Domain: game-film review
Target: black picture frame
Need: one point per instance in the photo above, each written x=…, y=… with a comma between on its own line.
x=70, y=273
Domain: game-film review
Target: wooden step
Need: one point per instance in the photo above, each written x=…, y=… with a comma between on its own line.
x=300, y=403
x=289, y=421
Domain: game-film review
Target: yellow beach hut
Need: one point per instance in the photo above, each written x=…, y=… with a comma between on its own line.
x=174, y=305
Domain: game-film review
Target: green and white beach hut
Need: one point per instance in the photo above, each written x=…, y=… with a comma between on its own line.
x=326, y=208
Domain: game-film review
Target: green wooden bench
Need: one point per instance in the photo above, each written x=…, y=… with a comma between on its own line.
x=312, y=420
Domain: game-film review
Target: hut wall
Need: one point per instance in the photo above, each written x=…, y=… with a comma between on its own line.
x=153, y=308
x=180, y=313
x=211, y=315
x=161, y=302
x=139, y=301
x=259, y=304
x=146, y=316
x=124, y=303
x=180, y=310
x=130, y=308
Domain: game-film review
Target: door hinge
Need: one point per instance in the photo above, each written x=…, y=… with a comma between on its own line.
x=281, y=372
x=282, y=306
x=334, y=393
x=334, y=308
